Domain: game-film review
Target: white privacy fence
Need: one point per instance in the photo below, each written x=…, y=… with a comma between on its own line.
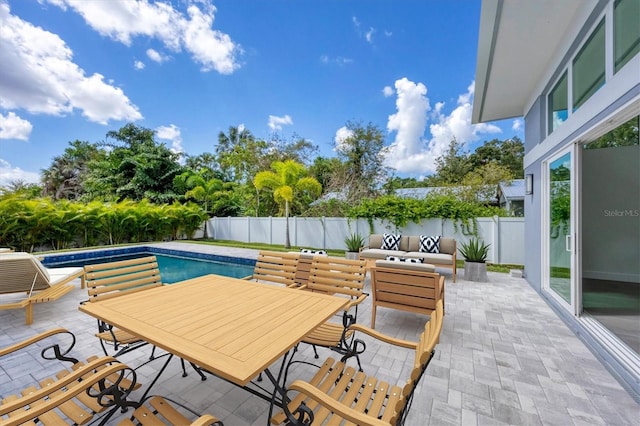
x=506, y=235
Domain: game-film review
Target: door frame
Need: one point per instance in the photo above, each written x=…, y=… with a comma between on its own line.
x=574, y=305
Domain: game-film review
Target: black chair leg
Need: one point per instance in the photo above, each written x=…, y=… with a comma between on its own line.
x=184, y=368
x=199, y=371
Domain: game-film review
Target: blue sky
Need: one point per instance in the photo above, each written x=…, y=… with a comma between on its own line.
x=76, y=69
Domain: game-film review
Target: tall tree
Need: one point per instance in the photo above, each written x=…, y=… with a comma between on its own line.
x=454, y=165
x=362, y=153
x=508, y=153
x=481, y=183
x=64, y=179
x=135, y=168
x=203, y=190
x=324, y=169
x=287, y=181
x=240, y=154
x=205, y=164
x=297, y=149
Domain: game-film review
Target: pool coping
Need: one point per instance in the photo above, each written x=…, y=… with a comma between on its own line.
x=54, y=259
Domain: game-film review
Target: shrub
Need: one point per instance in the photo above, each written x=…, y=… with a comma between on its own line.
x=354, y=242
x=475, y=250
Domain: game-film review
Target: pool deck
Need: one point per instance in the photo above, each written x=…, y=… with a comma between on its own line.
x=504, y=357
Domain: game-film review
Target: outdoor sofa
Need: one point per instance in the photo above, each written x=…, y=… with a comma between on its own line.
x=409, y=247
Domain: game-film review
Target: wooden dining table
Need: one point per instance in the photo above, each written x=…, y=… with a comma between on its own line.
x=230, y=327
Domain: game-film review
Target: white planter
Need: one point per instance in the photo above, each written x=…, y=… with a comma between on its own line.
x=475, y=271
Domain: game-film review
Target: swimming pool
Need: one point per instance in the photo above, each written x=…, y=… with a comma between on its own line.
x=174, y=265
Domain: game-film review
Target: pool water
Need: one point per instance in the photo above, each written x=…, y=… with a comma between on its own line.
x=172, y=268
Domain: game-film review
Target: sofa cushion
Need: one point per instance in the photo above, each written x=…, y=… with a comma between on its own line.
x=424, y=267
x=379, y=253
x=375, y=241
x=405, y=259
x=404, y=243
x=435, y=258
x=413, y=243
x=391, y=241
x=429, y=243
x=447, y=245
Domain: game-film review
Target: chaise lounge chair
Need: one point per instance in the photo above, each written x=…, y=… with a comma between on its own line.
x=23, y=273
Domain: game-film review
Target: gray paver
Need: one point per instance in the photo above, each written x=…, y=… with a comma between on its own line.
x=504, y=357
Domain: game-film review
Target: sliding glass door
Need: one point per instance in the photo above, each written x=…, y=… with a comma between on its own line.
x=560, y=235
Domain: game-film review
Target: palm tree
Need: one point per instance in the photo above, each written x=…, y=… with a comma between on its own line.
x=286, y=181
x=203, y=190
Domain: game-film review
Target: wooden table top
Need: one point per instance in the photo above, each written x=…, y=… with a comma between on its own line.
x=231, y=327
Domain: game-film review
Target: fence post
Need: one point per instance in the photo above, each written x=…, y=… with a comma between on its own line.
x=270, y=230
x=248, y=229
x=496, y=240
x=324, y=232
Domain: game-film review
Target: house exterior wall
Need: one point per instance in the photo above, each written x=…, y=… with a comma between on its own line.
x=620, y=90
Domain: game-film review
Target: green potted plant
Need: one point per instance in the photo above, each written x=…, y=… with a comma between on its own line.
x=353, y=242
x=475, y=253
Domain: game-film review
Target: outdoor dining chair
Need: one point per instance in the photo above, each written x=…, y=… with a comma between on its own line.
x=85, y=391
x=275, y=268
x=338, y=394
x=341, y=278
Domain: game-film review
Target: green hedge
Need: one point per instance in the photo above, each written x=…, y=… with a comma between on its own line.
x=400, y=211
x=26, y=224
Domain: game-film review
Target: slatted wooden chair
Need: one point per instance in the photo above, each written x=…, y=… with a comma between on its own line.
x=77, y=395
x=410, y=287
x=339, y=394
x=113, y=279
x=275, y=268
x=24, y=276
x=342, y=278
x=156, y=411
x=53, y=400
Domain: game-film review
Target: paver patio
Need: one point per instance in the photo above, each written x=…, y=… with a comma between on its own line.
x=504, y=358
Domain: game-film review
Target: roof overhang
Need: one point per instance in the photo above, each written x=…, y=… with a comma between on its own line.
x=516, y=42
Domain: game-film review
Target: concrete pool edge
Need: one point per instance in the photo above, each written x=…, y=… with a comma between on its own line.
x=187, y=250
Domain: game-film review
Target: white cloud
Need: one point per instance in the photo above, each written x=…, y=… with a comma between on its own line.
x=14, y=127
x=517, y=124
x=369, y=35
x=340, y=60
x=122, y=20
x=10, y=174
x=276, y=123
x=342, y=134
x=411, y=152
x=171, y=133
x=43, y=79
x=156, y=56
x=387, y=91
x=407, y=153
x=139, y=65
